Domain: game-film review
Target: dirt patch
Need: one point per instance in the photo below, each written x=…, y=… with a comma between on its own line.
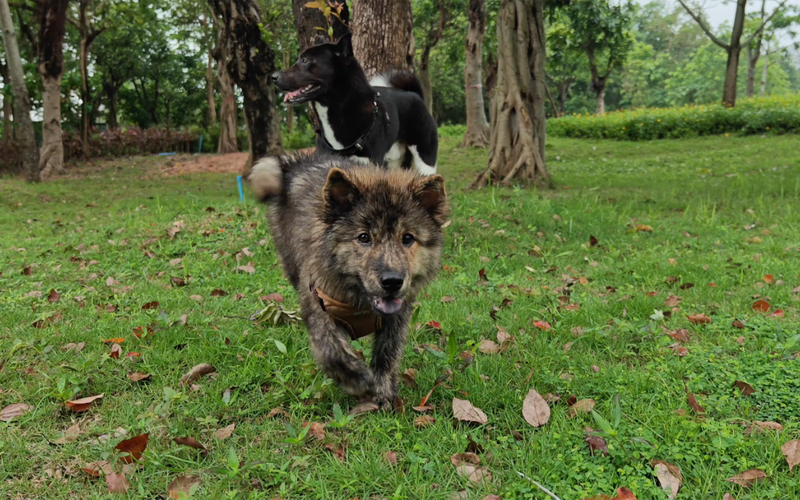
x=232, y=163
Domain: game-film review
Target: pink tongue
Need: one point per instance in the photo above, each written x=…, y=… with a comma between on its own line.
x=289, y=95
x=388, y=305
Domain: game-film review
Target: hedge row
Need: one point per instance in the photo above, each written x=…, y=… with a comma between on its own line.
x=760, y=115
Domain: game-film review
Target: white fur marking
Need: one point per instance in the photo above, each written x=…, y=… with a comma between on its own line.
x=266, y=178
x=379, y=81
x=360, y=159
x=327, y=129
x=394, y=158
x=420, y=165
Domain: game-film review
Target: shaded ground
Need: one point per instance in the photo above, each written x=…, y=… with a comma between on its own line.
x=136, y=255
x=232, y=163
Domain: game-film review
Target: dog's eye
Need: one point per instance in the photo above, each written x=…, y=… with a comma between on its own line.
x=408, y=239
x=364, y=238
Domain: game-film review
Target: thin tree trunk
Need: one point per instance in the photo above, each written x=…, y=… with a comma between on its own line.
x=764, y=73
x=424, y=76
x=51, y=68
x=731, y=70
x=752, y=57
x=8, y=129
x=477, y=133
x=29, y=154
x=274, y=141
x=83, y=63
x=212, y=105
x=250, y=63
x=516, y=152
x=227, y=110
x=383, y=35
x=601, y=100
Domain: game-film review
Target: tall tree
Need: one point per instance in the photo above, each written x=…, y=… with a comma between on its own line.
x=250, y=63
x=227, y=110
x=433, y=16
x=53, y=18
x=26, y=139
x=516, y=151
x=602, y=29
x=753, y=54
x=477, y=133
x=735, y=45
x=89, y=30
x=383, y=35
x=8, y=129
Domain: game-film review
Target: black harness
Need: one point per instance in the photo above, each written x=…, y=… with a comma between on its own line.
x=361, y=146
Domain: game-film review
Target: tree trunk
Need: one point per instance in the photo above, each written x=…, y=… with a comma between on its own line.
x=212, y=105
x=424, y=76
x=764, y=73
x=8, y=129
x=752, y=57
x=477, y=134
x=729, y=89
x=111, y=95
x=516, y=152
x=306, y=22
x=227, y=110
x=250, y=63
x=274, y=142
x=383, y=35
x=83, y=62
x=51, y=67
x=26, y=139
x=601, y=99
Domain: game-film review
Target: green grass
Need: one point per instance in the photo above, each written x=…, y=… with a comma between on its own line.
x=778, y=114
x=711, y=189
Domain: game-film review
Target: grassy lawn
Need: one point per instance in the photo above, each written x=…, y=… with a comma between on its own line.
x=724, y=213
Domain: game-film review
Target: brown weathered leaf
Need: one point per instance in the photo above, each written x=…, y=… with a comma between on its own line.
x=112, y=282
x=116, y=351
x=474, y=474
x=177, y=281
x=83, y=404
x=758, y=427
x=53, y=296
x=672, y=301
x=678, y=350
x=249, y=269
x=69, y=435
x=196, y=372
x=738, y=324
x=277, y=411
x=464, y=411
x=596, y=445
x=338, y=451
x=365, y=407
x=761, y=306
x=693, y=404
x=791, y=450
x=391, y=457
x=728, y=496
x=593, y=241
x=218, y=293
x=191, y=442
x=274, y=297
x=535, y=409
x=745, y=388
x=698, y=319
x=748, y=477
x=423, y=421
x=624, y=494
x=134, y=447
x=182, y=484
x=150, y=305
x=465, y=458
x=95, y=468
x=117, y=483
x=225, y=432
x=73, y=346
x=447, y=299
x=50, y=320
x=669, y=477
x=409, y=377
x=644, y=228
x=14, y=410
x=489, y=347
x=584, y=405
x=317, y=430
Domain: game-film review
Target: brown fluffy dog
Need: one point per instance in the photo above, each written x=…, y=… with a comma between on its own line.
x=358, y=243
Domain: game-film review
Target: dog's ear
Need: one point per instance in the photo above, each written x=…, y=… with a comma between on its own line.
x=430, y=194
x=344, y=47
x=340, y=193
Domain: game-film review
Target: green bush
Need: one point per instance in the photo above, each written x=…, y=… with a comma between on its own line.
x=457, y=130
x=774, y=114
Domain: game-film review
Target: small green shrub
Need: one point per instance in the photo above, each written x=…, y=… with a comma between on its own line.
x=760, y=115
x=449, y=130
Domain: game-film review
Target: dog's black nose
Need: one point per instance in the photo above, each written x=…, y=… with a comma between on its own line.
x=275, y=77
x=391, y=282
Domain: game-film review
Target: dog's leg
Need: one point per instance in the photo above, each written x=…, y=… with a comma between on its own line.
x=386, y=354
x=424, y=167
x=333, y=352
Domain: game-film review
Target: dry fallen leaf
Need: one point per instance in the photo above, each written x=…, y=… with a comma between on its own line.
x=14, y=410
x=738, y=324
x=596, y=444
x=624, y=494
x=761, y=306
x=53, y=297
x=115, y=351
x=698, y=319
x=73, y=346
x=391, y=457
x=150, y=305
x=669, y=477
x=218, y=293
x=69, y=435
x=249, y=269
x=672, y=301
x=544, y=325
x=134, y=447
x=758, y=427
x=182, y=484
x=365, y=407
x=791, y=451
x=95, y=468
x=693, y=403
x=196, y=372
x=117, y=483
x=489, y=347
x=409, y=377
x=465, y=458
x=745, y=388
x=447, y=299
x=584, y=405
x=83, y=404
x=748, y=477
x=423, y=421
x=177, y=281
x=464, y=411
x=535, y=409
x=474, y=474
x=728, y=496
x=191, y=442
x=644, y=228
x=317, y=430
x=225, y=432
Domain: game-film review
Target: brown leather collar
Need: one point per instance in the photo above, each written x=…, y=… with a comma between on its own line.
x=358, y=323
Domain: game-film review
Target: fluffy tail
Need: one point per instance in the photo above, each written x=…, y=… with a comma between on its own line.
x=266, y=178
x=399, y=79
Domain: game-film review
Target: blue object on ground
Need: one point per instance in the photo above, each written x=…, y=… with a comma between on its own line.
x=165, y=154
x=200, y=146
x=241, y=191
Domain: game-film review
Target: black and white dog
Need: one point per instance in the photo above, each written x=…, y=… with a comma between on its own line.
x=384, y=121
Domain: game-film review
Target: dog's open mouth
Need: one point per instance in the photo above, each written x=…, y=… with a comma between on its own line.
x=300, y=95
x=387, y=305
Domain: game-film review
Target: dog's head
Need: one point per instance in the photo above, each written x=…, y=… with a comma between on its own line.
x=316, y=72
x=385, y=230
